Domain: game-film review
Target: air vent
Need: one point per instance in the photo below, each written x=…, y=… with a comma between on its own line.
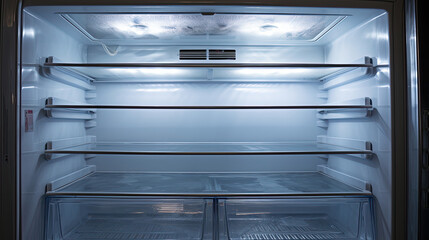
x=193, y=54
x=201, y=54
x=219, y=54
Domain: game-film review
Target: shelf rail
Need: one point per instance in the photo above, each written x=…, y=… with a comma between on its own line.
x=70, y=178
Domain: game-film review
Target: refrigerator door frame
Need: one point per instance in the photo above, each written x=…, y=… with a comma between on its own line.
x=423, y=85
x=418, y=124
x=414, y=123
x=10, y=132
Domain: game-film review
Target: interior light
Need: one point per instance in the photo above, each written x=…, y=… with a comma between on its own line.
x=136, y=30
x=286, y=27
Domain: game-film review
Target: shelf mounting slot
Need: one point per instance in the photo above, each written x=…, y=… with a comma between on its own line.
x=349, y=143
x=66, y=76
x=327, y=114
x=345, y=178
x=66, y=143
x=67, y=113
x=348, y=76
x=69, y=178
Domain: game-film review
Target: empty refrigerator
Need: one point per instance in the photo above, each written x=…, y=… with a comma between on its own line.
x=207, y=122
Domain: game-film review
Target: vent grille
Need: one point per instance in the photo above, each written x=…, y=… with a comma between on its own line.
x=219, y=54
x=193, y=54
x=203, y=54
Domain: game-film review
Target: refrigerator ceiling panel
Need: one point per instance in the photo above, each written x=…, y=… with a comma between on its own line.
x=203, y=26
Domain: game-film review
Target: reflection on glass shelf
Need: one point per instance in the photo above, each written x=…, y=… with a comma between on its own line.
x=221, y=148
x=198, y=71
x=208, y=184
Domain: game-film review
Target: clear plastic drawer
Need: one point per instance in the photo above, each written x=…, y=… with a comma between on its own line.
x=299, y=218
x=70, y=218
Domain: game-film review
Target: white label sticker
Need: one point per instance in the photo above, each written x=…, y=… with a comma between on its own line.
x=28, y=120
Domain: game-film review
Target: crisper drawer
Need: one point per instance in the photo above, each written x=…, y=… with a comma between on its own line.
x=297, y=218
x=73, y=218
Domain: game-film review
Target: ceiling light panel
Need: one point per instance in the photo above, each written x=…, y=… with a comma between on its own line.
x=274, y=27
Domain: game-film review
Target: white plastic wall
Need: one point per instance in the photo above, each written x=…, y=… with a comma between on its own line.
x=369, y=39
x=42, y=39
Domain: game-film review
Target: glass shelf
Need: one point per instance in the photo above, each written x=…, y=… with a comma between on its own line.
x=208, y=185
x=198, y=71
x=192, y=148
x=89, y=106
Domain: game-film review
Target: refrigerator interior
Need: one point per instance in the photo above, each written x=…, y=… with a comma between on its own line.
x=200, y=122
